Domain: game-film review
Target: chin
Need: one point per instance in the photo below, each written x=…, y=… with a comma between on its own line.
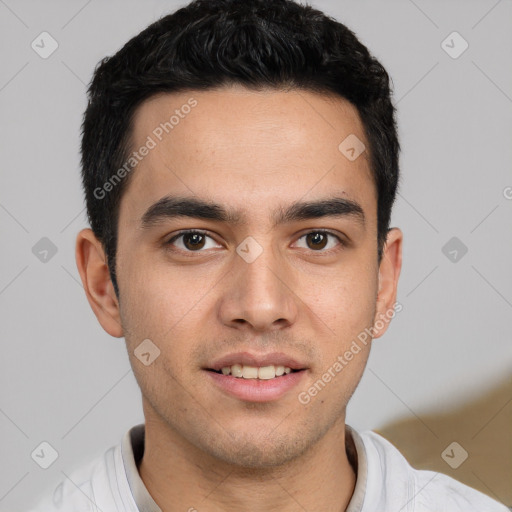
x=252, y=451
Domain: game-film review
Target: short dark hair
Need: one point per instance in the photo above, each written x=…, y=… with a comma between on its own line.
x=207, y=44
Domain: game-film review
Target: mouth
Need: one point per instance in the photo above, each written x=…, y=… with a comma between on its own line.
x=245, y=371
x=254, y=378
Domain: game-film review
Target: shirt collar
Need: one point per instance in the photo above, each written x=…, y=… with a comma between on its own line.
x=356, y=454
x=132, y=449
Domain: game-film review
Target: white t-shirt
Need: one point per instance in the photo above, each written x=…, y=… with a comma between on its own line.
x=385, y=482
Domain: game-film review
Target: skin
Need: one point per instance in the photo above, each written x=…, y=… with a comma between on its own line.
x=254, y=152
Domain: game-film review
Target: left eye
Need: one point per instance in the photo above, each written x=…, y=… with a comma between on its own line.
x=319, y=240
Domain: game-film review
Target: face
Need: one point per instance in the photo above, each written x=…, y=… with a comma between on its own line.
x=283, y=272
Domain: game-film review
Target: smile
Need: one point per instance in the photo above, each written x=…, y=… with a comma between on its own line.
x=256, y=384
x=254, y=372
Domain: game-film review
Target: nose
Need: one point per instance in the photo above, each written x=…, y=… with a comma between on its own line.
x=259, y=295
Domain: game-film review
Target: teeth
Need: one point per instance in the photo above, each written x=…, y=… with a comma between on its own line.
x=266, y=372
x=254, y=372
x=236, y=370
x=250, y=372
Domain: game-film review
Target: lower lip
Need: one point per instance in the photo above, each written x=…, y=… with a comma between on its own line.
x=256, y=390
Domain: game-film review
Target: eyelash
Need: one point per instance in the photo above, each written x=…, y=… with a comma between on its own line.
x=341, y=242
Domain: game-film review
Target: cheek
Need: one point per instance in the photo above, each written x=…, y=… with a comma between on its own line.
x=156, y=296
x=344, y=300
x=168, y=307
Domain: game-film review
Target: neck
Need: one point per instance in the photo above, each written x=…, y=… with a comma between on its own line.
x=180, y=477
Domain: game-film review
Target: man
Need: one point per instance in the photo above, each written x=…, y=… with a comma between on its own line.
x=240, y=163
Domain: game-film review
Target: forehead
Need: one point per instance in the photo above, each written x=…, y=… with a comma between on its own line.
x=251, y=149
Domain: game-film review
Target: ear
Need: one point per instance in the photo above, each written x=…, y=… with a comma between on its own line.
x=91, y=263
x=389, y=272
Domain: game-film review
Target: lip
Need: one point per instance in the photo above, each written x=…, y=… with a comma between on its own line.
x=256, y=390
x=252, y=359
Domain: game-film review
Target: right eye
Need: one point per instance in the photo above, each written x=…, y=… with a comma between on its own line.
x=190, y=241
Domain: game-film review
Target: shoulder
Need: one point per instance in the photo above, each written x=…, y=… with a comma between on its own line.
x=79, y=491
x=420, y=490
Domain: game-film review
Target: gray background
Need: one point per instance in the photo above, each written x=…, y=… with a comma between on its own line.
x=65, y=381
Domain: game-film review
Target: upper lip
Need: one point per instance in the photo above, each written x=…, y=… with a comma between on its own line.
x=258, y=360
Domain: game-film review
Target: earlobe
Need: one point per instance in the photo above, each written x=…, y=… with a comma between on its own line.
x=389, y=273
x=93, y=269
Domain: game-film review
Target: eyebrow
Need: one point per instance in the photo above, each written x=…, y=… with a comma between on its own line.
x=170, y=207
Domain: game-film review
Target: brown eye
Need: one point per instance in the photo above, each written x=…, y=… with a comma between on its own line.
x=316, y=240
x=193, y=241
x=320, y=241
